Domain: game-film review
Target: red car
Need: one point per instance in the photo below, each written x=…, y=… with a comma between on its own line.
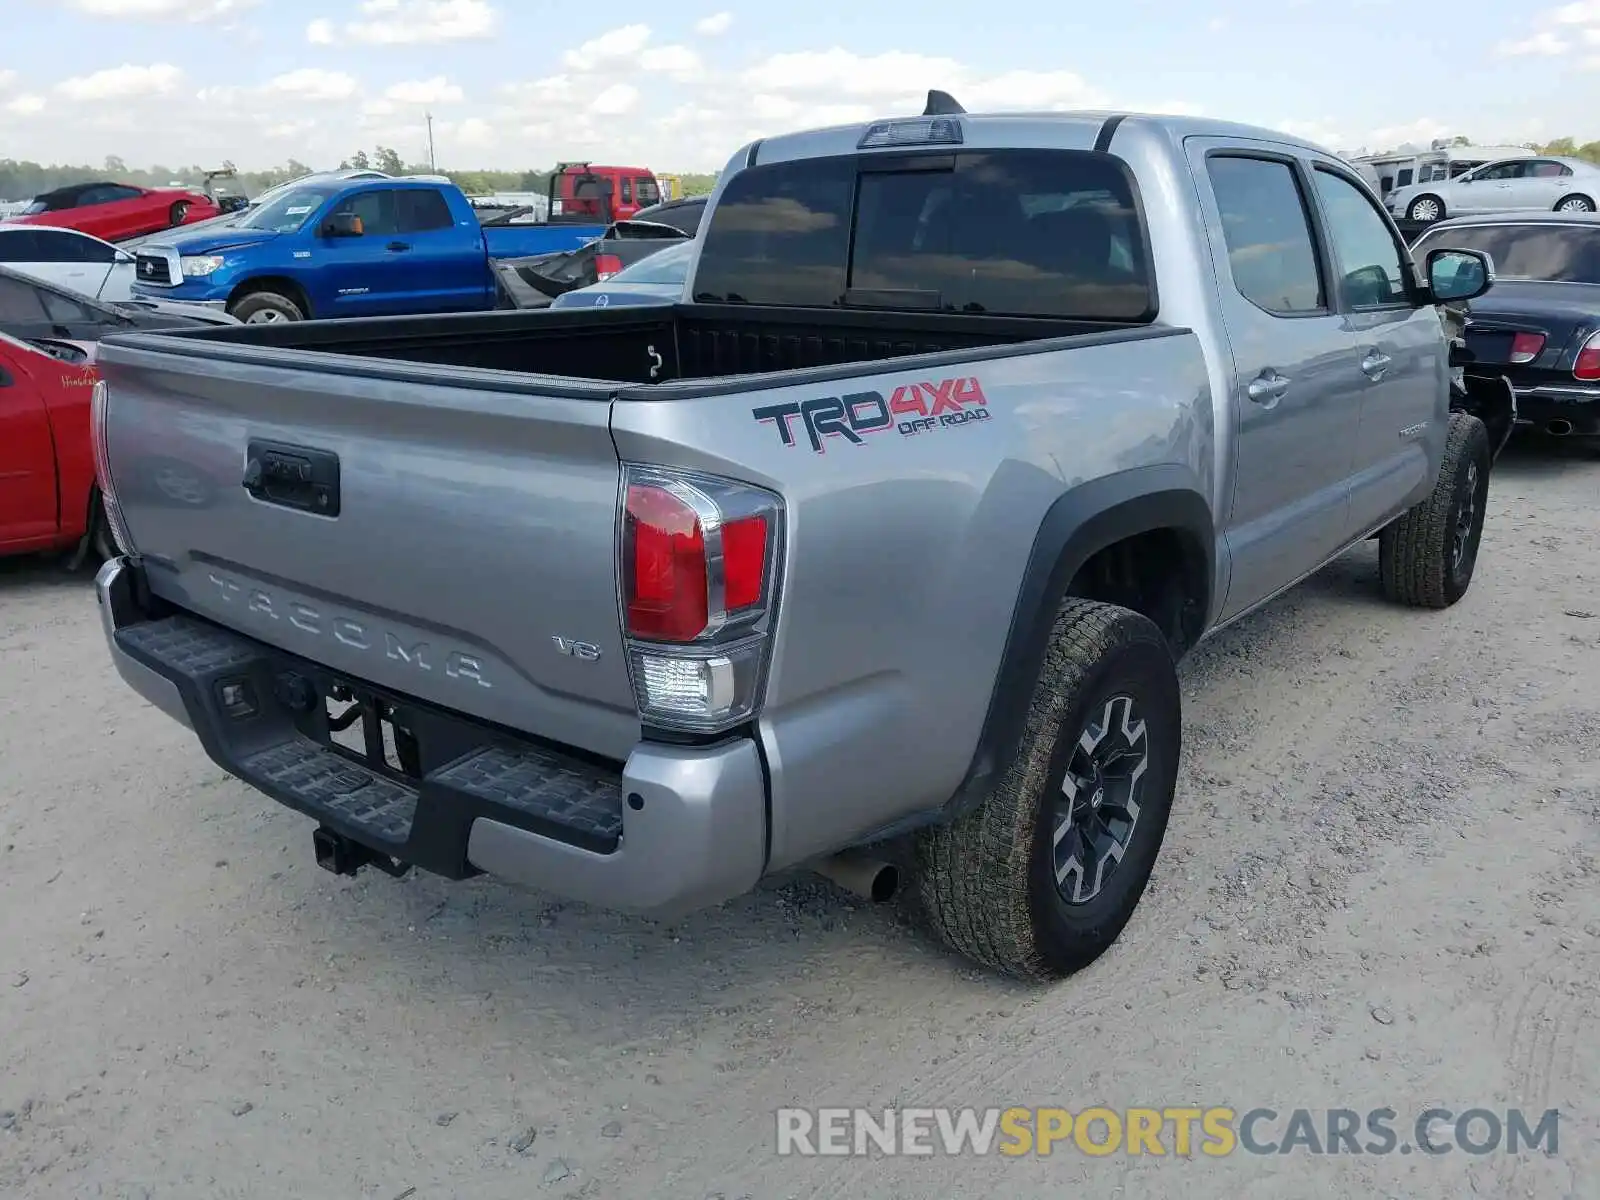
x=48, y=497
x=115, y=211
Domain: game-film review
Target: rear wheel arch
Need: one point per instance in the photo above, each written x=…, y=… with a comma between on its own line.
x=1134, y=521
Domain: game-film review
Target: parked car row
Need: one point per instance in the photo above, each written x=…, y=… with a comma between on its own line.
x=1531, y=184
x=116, y=211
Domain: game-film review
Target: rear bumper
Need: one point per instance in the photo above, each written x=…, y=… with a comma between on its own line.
x=1569, y=409
x=673, y=829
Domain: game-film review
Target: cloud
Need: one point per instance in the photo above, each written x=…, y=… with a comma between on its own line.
x=1544, y=43
x=122, y=83
x=614, y=46
x=192, y=11
x=313, y=83
x=437, y=90
x=410, y=23
x=670, y=60
x=616, y=100
x=715, y=24
x=25, y=105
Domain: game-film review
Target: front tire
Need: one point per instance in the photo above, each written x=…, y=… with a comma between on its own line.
x=1425, y=208
x=1039, y=880
x=1426, y=557
x=266, y=308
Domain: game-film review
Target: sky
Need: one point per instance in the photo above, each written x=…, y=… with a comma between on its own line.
x=519, y=84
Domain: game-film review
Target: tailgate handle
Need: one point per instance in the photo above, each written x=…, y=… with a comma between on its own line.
x=298, y=477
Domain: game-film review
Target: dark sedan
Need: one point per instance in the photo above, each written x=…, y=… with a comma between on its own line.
x=1539, y=325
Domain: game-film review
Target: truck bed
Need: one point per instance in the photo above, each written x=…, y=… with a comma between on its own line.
x=599, y=346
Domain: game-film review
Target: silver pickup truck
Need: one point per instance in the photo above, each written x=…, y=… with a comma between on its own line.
x=892, y=533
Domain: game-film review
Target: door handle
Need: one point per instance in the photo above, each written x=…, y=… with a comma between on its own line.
x=399, y=245
x=1375, y=364
x=1268, y=388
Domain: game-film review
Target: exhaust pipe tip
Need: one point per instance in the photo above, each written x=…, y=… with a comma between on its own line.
x=1558, y=428
x=869, y=878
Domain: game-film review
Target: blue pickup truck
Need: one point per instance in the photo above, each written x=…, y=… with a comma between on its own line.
x=343, y=248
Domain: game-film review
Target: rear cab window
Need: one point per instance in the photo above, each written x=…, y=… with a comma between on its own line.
x=1029, y=233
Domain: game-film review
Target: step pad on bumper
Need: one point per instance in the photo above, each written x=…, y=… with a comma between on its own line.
x=425, y=821
x=325, y=780
x=541, y=786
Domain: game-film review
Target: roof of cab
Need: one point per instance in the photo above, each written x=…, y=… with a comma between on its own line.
x=1085, y=123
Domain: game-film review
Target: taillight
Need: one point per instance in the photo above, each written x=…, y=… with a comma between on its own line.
x=699, y=577
x=1525, y=347
x=1587, y=367
x=606, y=265
x=102, y=468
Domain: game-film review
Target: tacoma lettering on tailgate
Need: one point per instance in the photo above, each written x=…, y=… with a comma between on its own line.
x=911, y=409
x=349, y=632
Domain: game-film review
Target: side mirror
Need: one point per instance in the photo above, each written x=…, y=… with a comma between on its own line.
x=342, y=225
x=1456, y=275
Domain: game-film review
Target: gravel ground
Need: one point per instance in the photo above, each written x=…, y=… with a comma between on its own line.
x=1381, y=887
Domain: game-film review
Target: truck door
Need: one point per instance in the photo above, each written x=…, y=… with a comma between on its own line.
x=27, y=456
x=1297, y=381
x=446, y=267
x=1402, y=354
x=363, y=276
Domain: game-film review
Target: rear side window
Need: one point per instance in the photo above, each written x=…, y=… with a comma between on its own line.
x=19, y=302
x=19, y=245
x=627, y=190
x=1403, y=179
x=1271, y=254
x=1011, y=233
x=647, y=191
x=421, y=210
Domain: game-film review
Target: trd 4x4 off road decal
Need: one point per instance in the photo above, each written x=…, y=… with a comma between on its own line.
x=911, y=409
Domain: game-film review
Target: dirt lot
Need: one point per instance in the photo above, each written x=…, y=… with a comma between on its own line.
x=1381, y=888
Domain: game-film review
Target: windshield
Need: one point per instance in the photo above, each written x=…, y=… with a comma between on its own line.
x=36, y=206
x=1545, y=253
x=664, y=266
x=287, y=212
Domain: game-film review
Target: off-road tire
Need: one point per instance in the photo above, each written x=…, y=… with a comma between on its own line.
x=254, y=306
x=987, y=879
x=1415, y=552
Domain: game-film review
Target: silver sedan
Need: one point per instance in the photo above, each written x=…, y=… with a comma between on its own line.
x=1548, y=184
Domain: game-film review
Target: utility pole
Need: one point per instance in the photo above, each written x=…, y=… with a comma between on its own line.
x=433, y=167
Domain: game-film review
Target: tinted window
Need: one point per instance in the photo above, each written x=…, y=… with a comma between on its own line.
x=1404, y=178
x=376, y=210
x=63, y=310
x=1510, y=170
x=1371, y=269
x=646, y=190
x=1271, y=253
x=59, y=246
x=1555, y=253
x=114, y=192
x=19, y=245
x=1022, y=233
x=680, y=216
x=422, y=210
x=627, y=190
x=19, y=302
x=1547, y=170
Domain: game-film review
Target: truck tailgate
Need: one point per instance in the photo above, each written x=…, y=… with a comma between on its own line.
x=453, y=544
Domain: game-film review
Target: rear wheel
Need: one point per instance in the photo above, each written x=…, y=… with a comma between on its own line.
x=1039, y=880
x=1575, y=204
x=1427, y=555
x=1426, y=208
x=178, y=212
x=266, y=308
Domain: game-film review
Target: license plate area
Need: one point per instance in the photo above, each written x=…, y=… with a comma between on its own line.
x=371, y=729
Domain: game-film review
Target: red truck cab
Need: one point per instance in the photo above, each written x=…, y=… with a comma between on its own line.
x=47, y=480
x=597, y=193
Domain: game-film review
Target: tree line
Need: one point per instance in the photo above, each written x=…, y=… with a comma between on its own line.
x=21, y=180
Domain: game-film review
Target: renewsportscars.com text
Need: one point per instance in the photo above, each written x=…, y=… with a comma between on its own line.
x=1174, y=1131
